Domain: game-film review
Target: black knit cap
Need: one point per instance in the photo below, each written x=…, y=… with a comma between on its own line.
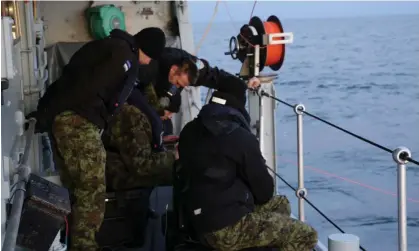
x=223, y=98
x=151, y=41
x=236, y=102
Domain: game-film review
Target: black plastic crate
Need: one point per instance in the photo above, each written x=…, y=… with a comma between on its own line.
x=43, y=214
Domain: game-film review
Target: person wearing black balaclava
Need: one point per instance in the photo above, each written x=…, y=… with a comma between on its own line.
x=79, y=106
x=228, y=200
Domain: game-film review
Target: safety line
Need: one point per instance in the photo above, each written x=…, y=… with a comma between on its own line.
x=263, y=93
x=320, y=171
x=191, y=102
x=208, y=28
x=253, y=9
x=311, y=204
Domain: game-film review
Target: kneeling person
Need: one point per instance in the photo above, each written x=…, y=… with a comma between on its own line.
x=132, y=157
x=135, y=153
x=229, y=200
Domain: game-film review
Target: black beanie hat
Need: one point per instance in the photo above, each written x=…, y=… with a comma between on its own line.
x=151, y=41
x=227, y=99
x=223, y=98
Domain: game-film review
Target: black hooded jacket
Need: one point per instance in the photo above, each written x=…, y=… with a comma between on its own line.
x=223, y=169
x=95, y=83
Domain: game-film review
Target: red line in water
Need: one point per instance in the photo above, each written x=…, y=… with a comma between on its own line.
x=351, y=181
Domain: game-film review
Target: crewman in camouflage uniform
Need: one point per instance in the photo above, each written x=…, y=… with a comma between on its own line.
x=227, y=197
x=132, y=161
x=153, y=166
x=135, y=156
x=75, y=110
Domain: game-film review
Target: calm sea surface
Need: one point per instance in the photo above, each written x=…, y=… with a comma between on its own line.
x=362, y=74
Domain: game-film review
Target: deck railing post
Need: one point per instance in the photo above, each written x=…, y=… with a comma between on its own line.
x=23, y=172
x=264, y=123
x=301, y=191
x=399, y=156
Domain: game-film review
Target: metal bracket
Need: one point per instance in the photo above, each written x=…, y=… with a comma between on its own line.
x=273, y=38
x=400, y=153
x=301, y=193
x=299, y=109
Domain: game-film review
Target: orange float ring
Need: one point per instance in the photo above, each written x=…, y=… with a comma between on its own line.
x=271, y=55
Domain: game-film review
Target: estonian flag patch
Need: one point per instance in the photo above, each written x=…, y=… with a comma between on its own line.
x=127, y=66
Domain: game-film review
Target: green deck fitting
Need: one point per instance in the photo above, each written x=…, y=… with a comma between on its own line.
x=103, y=19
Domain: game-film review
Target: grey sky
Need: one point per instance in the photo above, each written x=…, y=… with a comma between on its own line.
x=240, y=10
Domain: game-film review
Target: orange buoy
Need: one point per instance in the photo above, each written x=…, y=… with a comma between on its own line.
x=270, y=55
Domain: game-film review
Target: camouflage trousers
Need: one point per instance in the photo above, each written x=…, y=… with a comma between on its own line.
x=81, y=160
x=86, y=168
x=270, y=225
x=120, y=176
x=134, y=163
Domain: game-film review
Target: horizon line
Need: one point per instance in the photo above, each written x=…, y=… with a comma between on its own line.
x=330, y=17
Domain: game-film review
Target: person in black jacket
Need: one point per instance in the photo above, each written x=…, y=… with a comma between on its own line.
x=133, y=141
x=79, y=106
x=132, y=157
x=208, y=76
x=228, y=200
x=156, y=103
x=175, y=73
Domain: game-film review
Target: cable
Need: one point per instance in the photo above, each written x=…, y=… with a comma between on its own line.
x=325, y=173
x=192, y=104
x=12, y=186
x=208, y=28
x=320, y=171
x=14, y=192
x=312, y=205
x=253, y=9
x=340, y=128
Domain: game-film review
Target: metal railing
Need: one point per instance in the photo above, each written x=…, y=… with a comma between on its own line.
x=401, y=156
x=23, y=170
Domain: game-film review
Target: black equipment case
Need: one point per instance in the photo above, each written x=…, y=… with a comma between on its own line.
x=44, y=213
